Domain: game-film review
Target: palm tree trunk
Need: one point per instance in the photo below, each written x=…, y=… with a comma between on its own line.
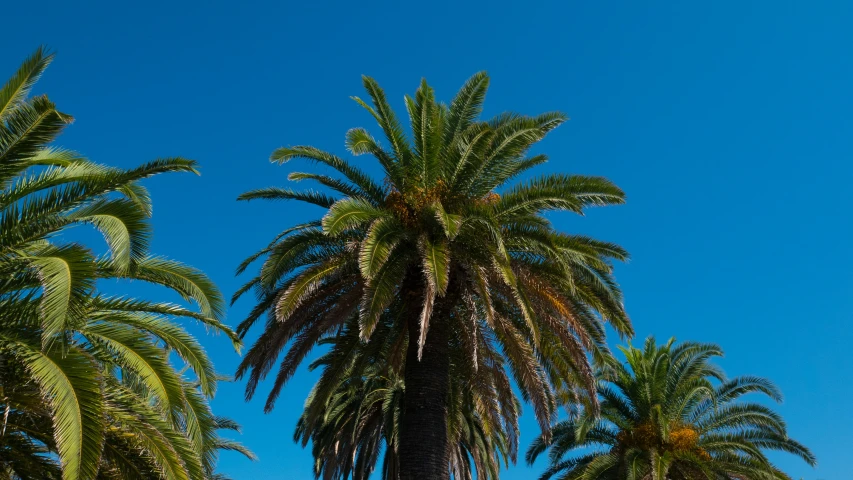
x=423, y=451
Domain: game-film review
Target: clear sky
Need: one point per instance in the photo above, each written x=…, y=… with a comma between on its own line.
x=727, y=123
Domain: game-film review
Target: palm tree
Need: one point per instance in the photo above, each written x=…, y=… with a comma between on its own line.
x=470, y=253
x=668, y=413
x=359, y=423
x=85, y=376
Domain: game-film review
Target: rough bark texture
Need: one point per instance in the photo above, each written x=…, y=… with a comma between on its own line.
x=423, y=450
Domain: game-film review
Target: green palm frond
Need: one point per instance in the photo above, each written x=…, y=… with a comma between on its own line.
x=134, y=353
x=349, y=213
x=28, y=127
x=381, y=239
x=191, y=283
x=273, y=193
x=67, y=276
x=369, y=188
x=171, y=336
x=123, y=225
x=16, y=90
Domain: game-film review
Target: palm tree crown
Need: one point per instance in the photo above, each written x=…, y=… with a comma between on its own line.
x=467, y=252
x=664, y=417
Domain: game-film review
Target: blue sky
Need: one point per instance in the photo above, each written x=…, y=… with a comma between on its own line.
x=728, y=124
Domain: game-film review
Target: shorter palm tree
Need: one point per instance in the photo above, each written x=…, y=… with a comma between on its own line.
x=668, y=413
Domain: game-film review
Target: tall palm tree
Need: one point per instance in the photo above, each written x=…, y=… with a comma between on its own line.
x=467, y=249
x=669, y=413
x=85, y=376
x=360, y=422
